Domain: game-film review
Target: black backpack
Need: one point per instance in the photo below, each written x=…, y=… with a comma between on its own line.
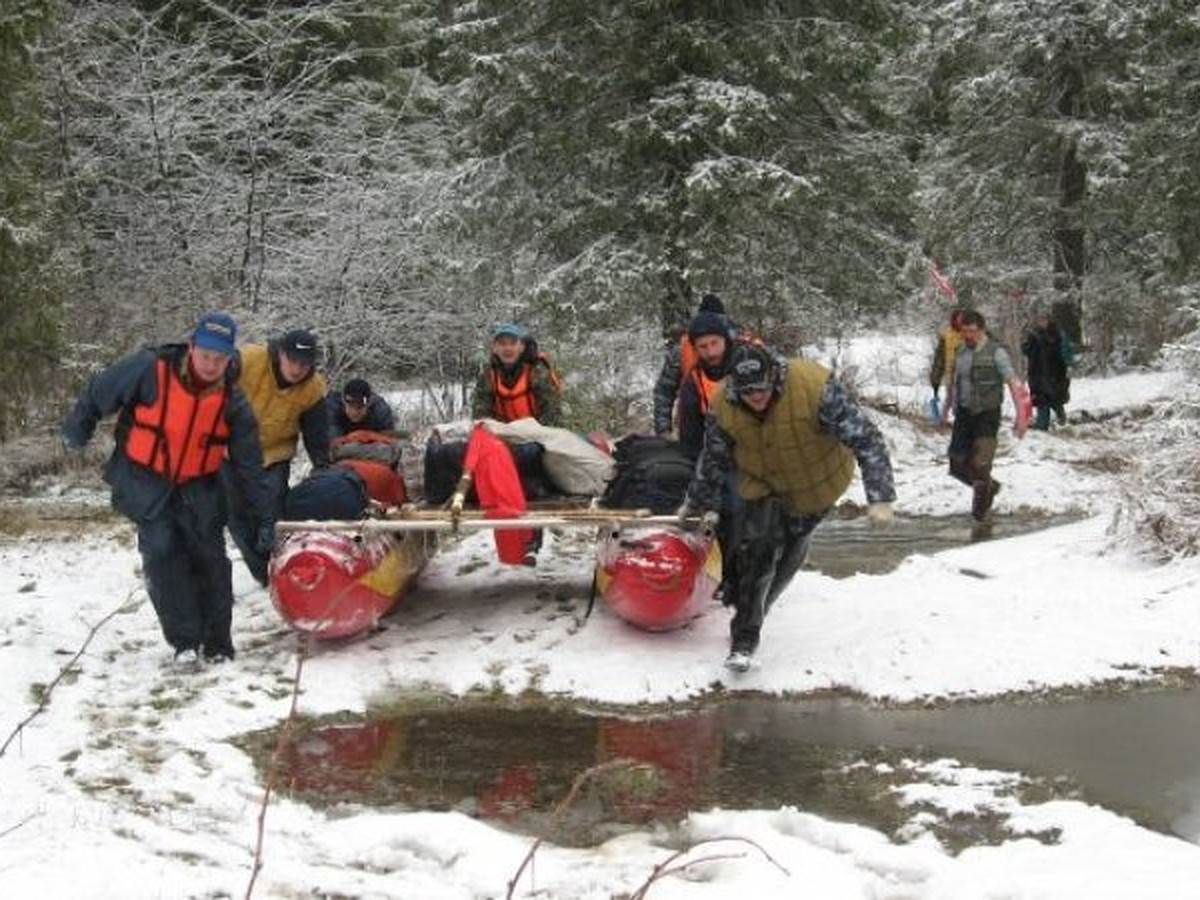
x=330, y=493
x=652, y=473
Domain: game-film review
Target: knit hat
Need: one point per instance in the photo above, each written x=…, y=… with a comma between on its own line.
x=300, y=345
x=751, y=369
x=357, y=390
x=215, y=331
x=509, y=329
x=708, y=323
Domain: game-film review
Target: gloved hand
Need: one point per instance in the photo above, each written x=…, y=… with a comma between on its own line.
x=880, y=514
x=687, y=513
x=264, y=538
x=74, y=456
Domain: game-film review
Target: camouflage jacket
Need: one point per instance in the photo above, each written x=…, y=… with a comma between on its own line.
x=667, y=387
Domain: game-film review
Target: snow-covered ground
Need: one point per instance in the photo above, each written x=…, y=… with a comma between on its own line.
x=127, y=784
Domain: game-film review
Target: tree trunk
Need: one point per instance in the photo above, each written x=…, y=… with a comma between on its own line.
x=1070, y=256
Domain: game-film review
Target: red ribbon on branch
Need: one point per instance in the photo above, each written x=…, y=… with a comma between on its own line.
x=942, y=283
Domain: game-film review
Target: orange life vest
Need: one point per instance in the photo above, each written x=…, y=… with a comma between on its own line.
x=517, y=401
x=688, y=357
x=181, y=435
x=706, y=387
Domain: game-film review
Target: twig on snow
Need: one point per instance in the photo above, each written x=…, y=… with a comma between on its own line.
x=564, y=805
x=281, y=742
x=11, y=828
x=44, y=701
x=666, y=868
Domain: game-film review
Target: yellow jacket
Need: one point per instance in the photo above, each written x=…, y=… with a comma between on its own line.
x=950, y=340
x=283, y=411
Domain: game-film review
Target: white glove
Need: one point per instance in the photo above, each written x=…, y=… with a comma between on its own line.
x=880, y=514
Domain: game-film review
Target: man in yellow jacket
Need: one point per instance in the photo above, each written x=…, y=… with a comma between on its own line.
x=287, y=395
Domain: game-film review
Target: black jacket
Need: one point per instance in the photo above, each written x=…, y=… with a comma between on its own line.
x=379, y=416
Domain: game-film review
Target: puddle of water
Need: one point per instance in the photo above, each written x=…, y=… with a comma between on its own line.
x=1137, y=753
x=515, y=766
x=845, y=547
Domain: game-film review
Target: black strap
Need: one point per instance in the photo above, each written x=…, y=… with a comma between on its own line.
x=592, y=593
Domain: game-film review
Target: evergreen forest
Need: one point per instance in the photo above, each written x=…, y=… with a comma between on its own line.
x=399, y=174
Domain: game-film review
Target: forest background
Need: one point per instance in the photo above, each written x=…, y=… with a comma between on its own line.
x=398, y=174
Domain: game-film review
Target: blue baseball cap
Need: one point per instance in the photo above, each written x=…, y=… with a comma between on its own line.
x=509, y=329
x=215, y=331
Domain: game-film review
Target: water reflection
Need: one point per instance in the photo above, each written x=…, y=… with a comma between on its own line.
x=1138, y=754
x=508, y=764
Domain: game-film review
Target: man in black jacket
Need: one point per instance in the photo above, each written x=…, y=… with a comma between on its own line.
x=357, y=408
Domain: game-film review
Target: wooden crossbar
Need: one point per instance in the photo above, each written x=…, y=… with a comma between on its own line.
x=474, y=520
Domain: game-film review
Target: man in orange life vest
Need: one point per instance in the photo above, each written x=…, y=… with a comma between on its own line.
x=709, y=335
x=180, y=417
x=517, y=382
x=680, y=358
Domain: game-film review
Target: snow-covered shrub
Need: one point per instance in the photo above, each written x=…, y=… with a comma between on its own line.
x=1159, y=512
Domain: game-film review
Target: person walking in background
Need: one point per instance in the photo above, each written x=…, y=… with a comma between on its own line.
x=517, y=381
x=180, y=420
x=976, y=393
x=789, y=433
x=287, y=395
x=942, y=366
x=681, y=357
x=357, y=408
x=1049, y=355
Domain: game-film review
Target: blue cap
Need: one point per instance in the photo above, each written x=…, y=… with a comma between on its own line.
x=509, y=329
x=215, y=331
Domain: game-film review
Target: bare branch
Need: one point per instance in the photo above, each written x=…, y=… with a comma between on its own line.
x=44, y=700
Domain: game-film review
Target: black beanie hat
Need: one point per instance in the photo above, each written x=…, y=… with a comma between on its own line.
x=708, y=323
